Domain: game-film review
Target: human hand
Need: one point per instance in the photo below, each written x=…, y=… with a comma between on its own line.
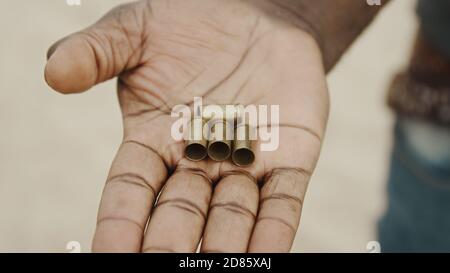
x=165, y=53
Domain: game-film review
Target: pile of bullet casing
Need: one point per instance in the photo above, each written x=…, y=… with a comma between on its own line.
x=228, y=135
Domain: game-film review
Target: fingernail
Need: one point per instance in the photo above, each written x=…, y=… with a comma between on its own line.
x=54, y=47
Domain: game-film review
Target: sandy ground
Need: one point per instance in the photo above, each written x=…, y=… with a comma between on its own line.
x=55, y=150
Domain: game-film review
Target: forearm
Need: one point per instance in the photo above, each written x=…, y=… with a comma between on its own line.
x=335, y=24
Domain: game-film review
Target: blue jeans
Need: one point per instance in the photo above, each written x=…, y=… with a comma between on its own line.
x=418, y=214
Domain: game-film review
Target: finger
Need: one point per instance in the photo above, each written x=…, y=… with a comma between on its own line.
x=232, y=214
x=98, y=53
x=136, y=177
x=180, y=214
x=280, y=207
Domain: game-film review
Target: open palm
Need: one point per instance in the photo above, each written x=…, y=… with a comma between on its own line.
x=165, y=53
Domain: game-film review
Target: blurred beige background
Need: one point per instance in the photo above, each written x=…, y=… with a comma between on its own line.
x=55, y=150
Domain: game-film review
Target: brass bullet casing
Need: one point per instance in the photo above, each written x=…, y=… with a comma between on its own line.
x=219, y=145
x=196, y=144
x=243, y=154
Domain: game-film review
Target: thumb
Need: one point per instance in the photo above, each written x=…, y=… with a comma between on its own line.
x=98, y=53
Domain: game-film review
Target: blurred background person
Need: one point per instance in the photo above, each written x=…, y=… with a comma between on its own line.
x=417, y=218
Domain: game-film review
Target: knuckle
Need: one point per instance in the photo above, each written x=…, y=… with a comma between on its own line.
x=185, y=205
x=131, y=179
x=235, y=208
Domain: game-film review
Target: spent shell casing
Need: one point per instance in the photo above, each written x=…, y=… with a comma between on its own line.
x=219, y=145
x=196, y=144
x=243, y=154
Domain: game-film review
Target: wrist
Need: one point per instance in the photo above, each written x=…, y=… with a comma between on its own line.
x=333, y=24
